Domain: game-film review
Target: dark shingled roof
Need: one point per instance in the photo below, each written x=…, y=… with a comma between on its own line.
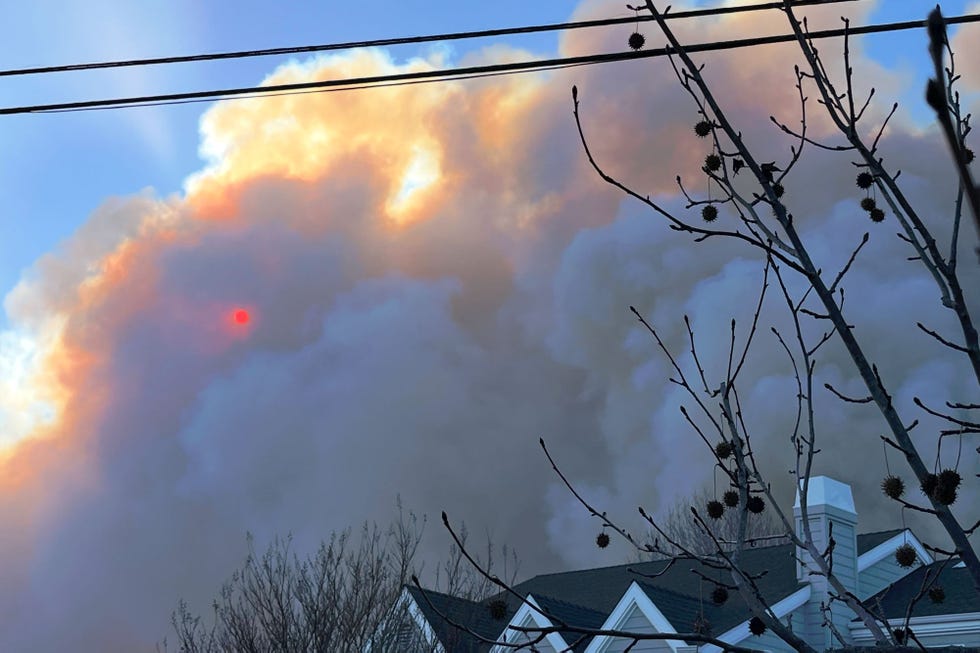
x=440, y=609
x=476, y=616
x=868, y=541
x=574, y=615
x=675, y=588
x=586, y=597
x=961, y=597
x=681, y=610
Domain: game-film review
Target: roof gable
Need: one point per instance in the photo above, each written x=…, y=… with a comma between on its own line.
x=636, y=598
x=885, y=546
x=868, y=541
x=530, y=615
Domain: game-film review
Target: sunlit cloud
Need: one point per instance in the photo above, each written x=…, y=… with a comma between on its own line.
x=420, y=174
x=28, y=405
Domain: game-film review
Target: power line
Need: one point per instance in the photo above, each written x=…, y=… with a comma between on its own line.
x=453, y=36
x=457, y=73
x=449, y=77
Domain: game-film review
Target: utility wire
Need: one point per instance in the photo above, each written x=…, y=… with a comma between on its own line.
x=453, y=36
x=459, y=73
x=449, y=77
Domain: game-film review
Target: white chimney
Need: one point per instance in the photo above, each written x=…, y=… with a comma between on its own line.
x=830, y=514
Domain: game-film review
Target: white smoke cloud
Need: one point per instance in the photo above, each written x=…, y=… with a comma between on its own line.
x=422, y=350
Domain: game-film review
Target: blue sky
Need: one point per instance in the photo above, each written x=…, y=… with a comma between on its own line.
x=56, y=169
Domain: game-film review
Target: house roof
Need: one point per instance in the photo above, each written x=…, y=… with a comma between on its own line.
x=570, y=613
x=678, y=588
x=960, y=595
x=442, y=611
x=600, y=589
x=868, y=541
x=477, y=616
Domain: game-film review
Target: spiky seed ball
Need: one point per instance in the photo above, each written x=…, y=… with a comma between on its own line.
x=724, y=449
x=703, y=128
x=715, y=509
x=944, y=494
x=946, y=486
x=928, y=486
x=937, y=594
x=864, y=180
x=712, y=162
x=757, y=626
x=602, y=540
x=756, y=504
x=637, y=40
x=868, y=204
x=709, y=213
x=968, y=155
x=905, y=555
x=498, y=609
x=901, y=636
x=719, y=595
x=893, y=487
x=950, y=478
x=778, y=190
x=877, y=215
x=730, y=498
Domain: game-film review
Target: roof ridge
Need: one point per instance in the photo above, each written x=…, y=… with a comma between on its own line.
x=579, y=571
x=645, y=583
x=410, y=587
x=664, y=560
x=578, y=606
x=640, y=562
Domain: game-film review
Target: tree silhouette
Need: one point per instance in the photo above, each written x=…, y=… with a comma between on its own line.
x=344, y=597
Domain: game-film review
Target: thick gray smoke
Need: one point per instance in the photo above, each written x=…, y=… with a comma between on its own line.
x=427, y=296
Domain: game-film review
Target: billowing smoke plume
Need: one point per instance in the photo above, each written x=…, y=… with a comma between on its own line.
x=431, y=278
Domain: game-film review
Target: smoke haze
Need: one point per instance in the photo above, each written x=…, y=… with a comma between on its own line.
x=435, y=279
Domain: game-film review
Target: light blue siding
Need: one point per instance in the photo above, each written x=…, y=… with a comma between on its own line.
x=635, y=622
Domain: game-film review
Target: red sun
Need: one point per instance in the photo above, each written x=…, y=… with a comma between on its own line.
x=241, y=316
